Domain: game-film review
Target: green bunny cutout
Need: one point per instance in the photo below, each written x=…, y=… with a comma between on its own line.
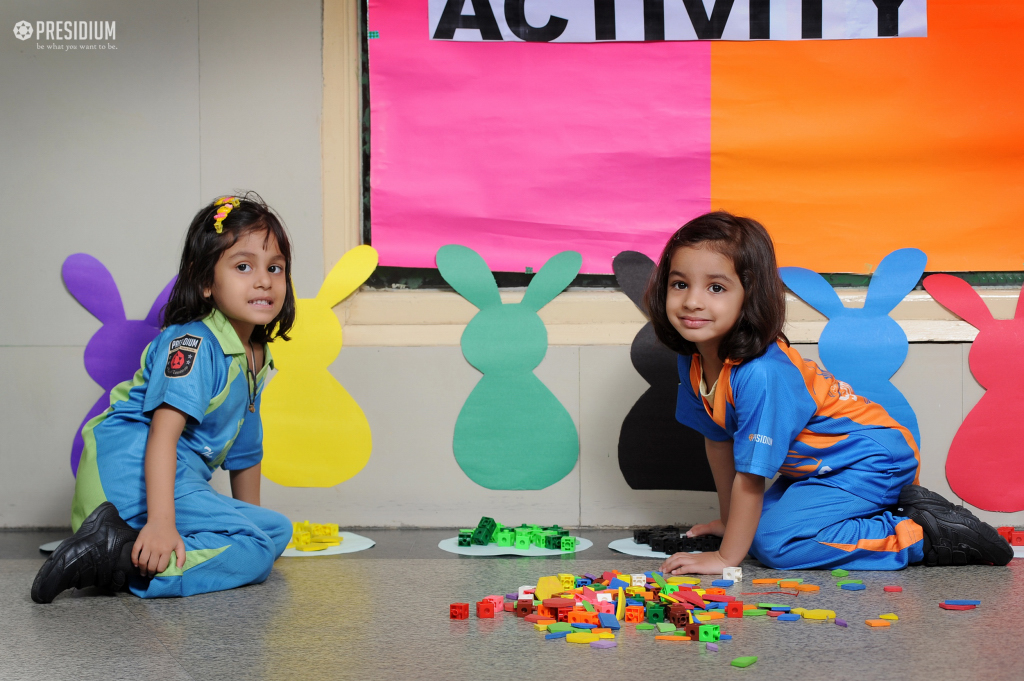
x=512, y=432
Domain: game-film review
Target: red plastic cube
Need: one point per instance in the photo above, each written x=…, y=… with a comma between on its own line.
x=734, y=609
x=459, y=611
x=485, y=609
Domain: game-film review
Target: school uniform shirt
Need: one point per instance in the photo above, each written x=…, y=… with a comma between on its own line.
x=786, y=415
x=199, y=368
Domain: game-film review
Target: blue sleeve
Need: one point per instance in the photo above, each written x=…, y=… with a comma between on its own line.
x=690, y=409
x=772, y=407
x=185, y=374
x=247, y=449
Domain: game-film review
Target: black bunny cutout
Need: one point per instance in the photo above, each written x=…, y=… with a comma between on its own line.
x=655, y=450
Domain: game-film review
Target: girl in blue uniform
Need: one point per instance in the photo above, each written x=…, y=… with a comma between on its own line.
x=846, y=493
x=144, y=513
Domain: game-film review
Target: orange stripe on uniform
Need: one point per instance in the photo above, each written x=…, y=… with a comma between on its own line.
x=907, y=533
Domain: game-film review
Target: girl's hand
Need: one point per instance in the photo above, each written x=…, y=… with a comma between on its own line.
x=152, y=550
x=715, y=527
x=707, y=563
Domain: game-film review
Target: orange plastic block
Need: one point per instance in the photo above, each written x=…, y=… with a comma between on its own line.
x=714, y=591
x=670, y=637
x=750, y=606
x=648, y=595
x=807, y=587
x=789, y=585
x=634, y=614
x=583, y=617
x=600, y=630
x=877, y=623
x=765, y=581
x=545, y=611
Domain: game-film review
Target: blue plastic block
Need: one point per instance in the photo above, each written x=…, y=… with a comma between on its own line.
x=650, y=575
x=633, y=601
x=788, y=617
x=608, y=620
x=617, y=583
x=961, y=602
x=716, y=605
x=853, y=587
x=722, y=582
x=780, y=608
x=583, y=625
x=728, y=637
x=557, y=634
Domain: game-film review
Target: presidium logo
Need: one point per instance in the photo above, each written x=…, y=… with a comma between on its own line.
x=61, y=32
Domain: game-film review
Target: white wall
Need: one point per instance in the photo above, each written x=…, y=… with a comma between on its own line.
x=111, y=153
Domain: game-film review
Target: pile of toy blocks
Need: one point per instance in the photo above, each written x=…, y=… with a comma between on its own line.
x=523, y=537
x=590, y=608
x=307, y=536
x=670, y=539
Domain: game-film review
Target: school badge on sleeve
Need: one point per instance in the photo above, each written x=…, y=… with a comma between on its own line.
x=182, y=355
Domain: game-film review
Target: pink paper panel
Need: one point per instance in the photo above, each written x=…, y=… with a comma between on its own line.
x=520, y=151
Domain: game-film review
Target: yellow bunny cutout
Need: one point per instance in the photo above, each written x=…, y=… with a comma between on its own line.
x=314, y=433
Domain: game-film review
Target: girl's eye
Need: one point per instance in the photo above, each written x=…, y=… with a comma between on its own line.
x=717, y=288
x=678, y=285
x=275, y=269
x=243, y=267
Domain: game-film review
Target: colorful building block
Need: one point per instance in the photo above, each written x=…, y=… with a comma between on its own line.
x=634, y=614
x=484, y=531
x=734, y=609
x=485, y=609
x=733, y=573
x=568, y=543
x=458, y=611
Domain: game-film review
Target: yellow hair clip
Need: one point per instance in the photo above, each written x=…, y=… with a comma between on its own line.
x=226, y=203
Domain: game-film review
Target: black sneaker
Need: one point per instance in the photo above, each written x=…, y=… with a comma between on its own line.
x=915, y=497
x=952, y=537
x=99, y=554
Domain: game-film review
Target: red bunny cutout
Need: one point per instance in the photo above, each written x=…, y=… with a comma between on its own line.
x=985, y=466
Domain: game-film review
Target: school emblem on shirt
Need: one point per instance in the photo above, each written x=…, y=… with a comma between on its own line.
x=182, y=355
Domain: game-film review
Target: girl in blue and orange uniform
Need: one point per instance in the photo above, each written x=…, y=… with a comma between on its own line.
x=846, y=493
x=145, y=515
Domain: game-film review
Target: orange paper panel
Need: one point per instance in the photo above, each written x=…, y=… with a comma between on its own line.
x=848, y=150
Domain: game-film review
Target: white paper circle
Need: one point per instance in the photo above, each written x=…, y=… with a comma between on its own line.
x=351, y=543
x=51, y=546
x=452, y=546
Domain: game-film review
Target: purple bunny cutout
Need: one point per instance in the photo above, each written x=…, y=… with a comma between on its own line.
x=113, y=353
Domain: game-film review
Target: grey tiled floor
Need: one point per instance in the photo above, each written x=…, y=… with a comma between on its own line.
x=383, y=614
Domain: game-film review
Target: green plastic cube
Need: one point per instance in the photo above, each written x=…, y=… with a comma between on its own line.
x=568, y=543
x=709, y=632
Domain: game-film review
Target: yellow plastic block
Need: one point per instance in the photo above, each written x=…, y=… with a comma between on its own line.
x=877, y=623
x=312, y=547
x=889, y=616
x=547, y=587
x=683, y=580
x=634, y=590
x=541, y=627
x=606, y=634
x=582, y=638
x=798, y=611
x=699, y=592
x=325, y=529
x=568, y=581
x=818, y=614
x=327, y=539
x=712, y=615
x=620, y=608
x=667, y=599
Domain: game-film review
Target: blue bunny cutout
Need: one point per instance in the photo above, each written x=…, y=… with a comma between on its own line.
x=865, y=346
x=512, y=432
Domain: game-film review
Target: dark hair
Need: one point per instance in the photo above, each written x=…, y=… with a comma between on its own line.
x=203, y=248
x=750, y=248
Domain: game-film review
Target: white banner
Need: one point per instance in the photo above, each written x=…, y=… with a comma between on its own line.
x=588, y=21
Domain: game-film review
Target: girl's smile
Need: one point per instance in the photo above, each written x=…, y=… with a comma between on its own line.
x=705, y=297
x=249, y=282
